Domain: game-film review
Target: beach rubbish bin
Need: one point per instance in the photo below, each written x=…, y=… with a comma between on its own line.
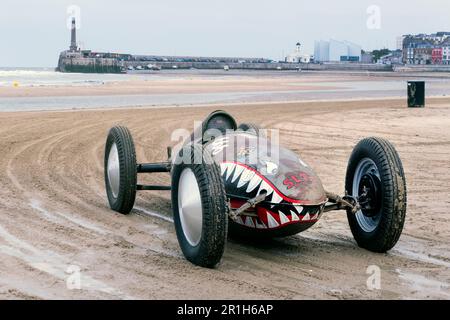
x=416, y=94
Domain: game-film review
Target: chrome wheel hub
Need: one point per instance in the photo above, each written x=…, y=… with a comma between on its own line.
x=113, y=170
x=190, y=207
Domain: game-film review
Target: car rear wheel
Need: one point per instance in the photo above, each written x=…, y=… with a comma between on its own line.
x=120, y=170
x=376, y=178
x=200, y=207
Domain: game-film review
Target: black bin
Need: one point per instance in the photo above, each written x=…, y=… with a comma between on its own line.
x=416, y=94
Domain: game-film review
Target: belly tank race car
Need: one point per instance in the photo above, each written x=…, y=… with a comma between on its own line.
x=222, y=181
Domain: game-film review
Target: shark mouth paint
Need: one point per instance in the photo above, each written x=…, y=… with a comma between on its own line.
x=276, y=211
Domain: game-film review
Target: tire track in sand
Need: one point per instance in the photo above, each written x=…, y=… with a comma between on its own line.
x=60, y=167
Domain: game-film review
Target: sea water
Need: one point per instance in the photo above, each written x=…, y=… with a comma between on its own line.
x=39, y=77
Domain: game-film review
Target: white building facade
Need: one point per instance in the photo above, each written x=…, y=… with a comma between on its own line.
x=446, y=55
x=297, y=56
x=336, y=51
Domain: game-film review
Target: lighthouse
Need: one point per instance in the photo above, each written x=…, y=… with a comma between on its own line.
x=73, y=36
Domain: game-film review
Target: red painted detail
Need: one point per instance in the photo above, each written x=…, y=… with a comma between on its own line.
x=288, y=183
x=236, y=203
x=297, y=180
x=304, y=202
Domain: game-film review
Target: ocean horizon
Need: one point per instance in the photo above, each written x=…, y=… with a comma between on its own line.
x=48, y=76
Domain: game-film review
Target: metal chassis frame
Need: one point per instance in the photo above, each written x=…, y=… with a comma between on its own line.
x=152, y=168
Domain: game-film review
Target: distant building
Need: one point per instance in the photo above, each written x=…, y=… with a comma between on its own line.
x=367, y=57
x=321, y=51
x=297, y=56
x=437, y=56
x=336, y=51
x=400, y=42
x=446, y=55
x=394, y=57
x=426, y=48
x=76, y=60
x=422, y=55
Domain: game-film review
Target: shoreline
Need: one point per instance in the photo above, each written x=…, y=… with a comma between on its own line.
x=393, y=99
x=193, y=89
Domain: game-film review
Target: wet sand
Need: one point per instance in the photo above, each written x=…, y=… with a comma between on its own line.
x=169, y=86
x=200, y=87
x=54, y=212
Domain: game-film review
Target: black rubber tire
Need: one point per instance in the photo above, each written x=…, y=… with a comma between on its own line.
x=208, y=252
x=393, y=194
x=251, y=128
x=128, y=169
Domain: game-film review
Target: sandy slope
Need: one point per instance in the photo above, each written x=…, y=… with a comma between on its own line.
x=54, y=214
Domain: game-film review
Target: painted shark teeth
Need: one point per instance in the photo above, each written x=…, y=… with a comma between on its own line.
x=283, y=218
x=276, y=198
x=230, y=169
x=273, y=223
x=294, y=216
x=223, y=168
x=260, y=225
x=265, y=186
x=245, y=177
x=249, y=222
x=254, y=182
x=237, y=173
x=298, y=208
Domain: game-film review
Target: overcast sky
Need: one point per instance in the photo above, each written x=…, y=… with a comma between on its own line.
x=33, y=32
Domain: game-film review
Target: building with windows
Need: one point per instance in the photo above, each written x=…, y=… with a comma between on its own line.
x=446, y=55
x=436, y=56
x=336, y=51
x=426, y=48
x=392, y=58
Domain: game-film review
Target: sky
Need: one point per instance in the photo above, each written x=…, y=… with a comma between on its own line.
x=33, y=32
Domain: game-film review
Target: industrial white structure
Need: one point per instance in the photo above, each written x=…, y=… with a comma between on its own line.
x=297, y=56
x=336, y=51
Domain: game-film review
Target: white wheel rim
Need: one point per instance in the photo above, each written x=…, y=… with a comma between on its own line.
x=366, y=165
x=114, y=170
x=190, y=207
